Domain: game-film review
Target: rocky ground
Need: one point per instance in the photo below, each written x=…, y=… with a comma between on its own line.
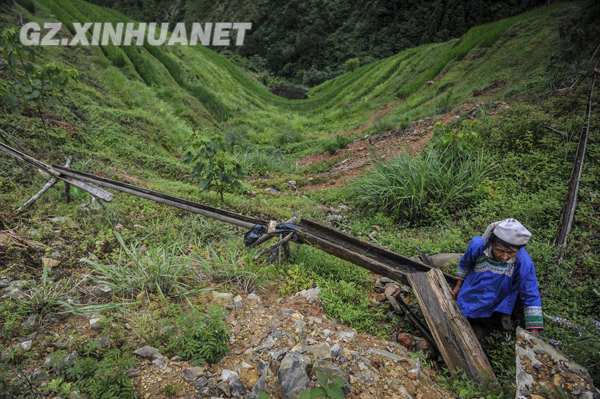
x=278, y=345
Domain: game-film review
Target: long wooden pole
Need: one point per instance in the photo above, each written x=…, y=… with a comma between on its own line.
x=46, y=187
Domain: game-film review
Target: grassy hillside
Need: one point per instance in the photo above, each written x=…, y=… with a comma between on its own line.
x=133, y=108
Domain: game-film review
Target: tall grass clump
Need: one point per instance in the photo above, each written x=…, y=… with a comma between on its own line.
x=161, y=269
x=260, y=163
x=422, y=187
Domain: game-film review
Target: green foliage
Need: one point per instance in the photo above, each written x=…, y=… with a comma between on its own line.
x=29, y=5
x=445, y=104
x=214, y=165
x=336, y=143
x=456, y=143
x=351, y=64
x=161, y=269
x=29, y=86
x=45, y=297
x=422, y=187
x=203, y=337
x=330, y=387
x=263, y=162
x=96, y=371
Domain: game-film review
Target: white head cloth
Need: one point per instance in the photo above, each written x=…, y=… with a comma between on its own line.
x=508, y=230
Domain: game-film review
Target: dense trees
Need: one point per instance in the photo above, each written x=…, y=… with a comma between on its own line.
x=293, y=38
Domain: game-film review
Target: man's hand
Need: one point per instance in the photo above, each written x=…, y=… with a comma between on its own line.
x=535, y=332
x=456, y=289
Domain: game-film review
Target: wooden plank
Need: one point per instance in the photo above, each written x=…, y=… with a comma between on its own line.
x=452, y=332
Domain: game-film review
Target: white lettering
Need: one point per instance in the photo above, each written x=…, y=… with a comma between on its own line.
x=164, y=28
x=34, y=38
x=54, y=28
x=138, y=33
x=241, y=28
x=80, y=32
x=109, y=32
x=178, y=35
x=221, y=30
x=198, y=33
x=96, y=33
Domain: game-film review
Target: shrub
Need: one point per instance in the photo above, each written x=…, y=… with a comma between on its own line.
x=336, y=143
x=456, y=143
x=352, y=64
x=214, y=165
x=421, y=187
x=203, y=337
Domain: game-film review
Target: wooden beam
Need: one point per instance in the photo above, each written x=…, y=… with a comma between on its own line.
x=452, y=332
x=46, y=187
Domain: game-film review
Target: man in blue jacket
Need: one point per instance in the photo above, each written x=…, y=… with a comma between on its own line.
x=497, y=279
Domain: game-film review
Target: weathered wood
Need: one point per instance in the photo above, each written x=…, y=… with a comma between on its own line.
x=95, y=191
x=424, y=257
x=274, y=246
x=452, y=332
x=566, y=217
x=46, y=187
x=68, y=185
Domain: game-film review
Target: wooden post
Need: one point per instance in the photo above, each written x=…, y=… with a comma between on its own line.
x=452, y=332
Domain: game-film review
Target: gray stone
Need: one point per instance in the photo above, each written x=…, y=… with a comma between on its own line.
x=26, y=345
x=102, y=290
x=336, y=351
x=274, y=325
x=246, y=365
x=311, y=295
x=277, y=354
x=60, y=364
x=227, y=374
x=226, y=296
x=261, y=384
x=3, y=282
x=266, y=345
x=200, y=383
x=159, y=362
x=320, y=351
x=440, y=260
x=103, y=341
x=238, y=299
x=148, y=352
x=39, y=375
x=415, y=371
x=56, y=255
x=347, y=335
x=95, y=323
x=299, y=326
x=237, y=388
x=30, y=322
x=225, y=388
x=404, y=392
x=367, y=377
x=253, y=297
x=292, y=376
x=327, y=333
x=192, y=374
x=206, y=391
x=286, y=312
x=387, y=354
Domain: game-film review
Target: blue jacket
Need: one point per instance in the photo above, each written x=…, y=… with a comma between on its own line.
x=492, y=286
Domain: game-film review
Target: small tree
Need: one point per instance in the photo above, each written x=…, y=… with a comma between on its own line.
x=214, y=165
x=352, y=64
x=28, y=85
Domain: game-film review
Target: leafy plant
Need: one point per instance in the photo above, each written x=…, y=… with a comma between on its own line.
x=97, y=371
x=203, y=337
x=29, y=85
x=330, y=387
x=458, y=142
x=214, y=165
